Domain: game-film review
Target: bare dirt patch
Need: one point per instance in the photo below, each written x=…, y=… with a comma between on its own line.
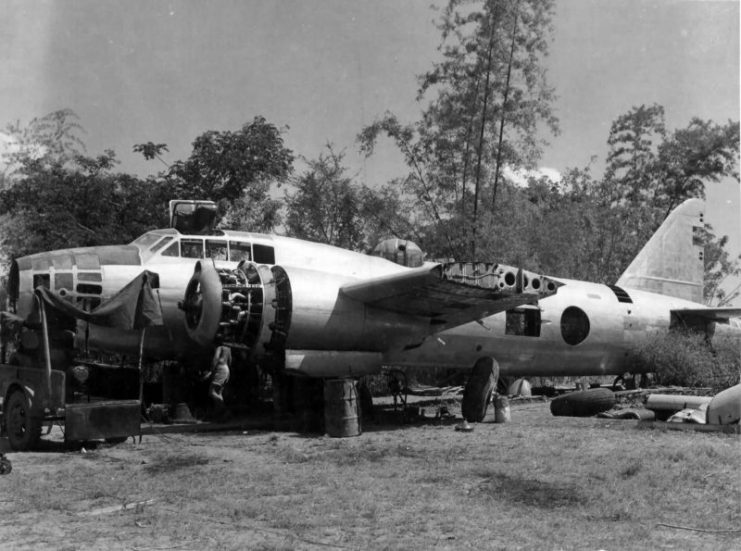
x=539, y=482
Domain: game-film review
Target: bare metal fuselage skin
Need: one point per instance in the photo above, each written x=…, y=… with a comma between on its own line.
x=321, y=318
x=615, y=329
x=324, y=320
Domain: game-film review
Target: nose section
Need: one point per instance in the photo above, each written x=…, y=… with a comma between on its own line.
x=73, y=273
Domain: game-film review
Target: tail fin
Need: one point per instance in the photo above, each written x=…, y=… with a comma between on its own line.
x=671, y=263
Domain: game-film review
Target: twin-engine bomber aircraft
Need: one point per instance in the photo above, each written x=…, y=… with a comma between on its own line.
x=302, y=308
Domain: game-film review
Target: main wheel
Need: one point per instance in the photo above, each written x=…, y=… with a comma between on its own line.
x=5, y=466
x=23, y=429
x=479, y=388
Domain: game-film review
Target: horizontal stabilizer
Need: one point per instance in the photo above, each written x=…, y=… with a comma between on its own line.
x=706, y=314
x=453, y=293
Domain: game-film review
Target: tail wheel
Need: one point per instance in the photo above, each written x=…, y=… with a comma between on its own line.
x=479, y=388
x=22, y=427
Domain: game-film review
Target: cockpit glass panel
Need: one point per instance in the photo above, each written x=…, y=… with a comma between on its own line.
x=157, y=246
x=146, y=240
x=216, y=249
x=239, y=250
x=172, y=250
x=191, y=248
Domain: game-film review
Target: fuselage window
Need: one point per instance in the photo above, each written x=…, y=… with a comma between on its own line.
x=523, y=321
x=239, y=250
x=172, y=250
x=191, y=248
x=264, y=254
x=41, y=280
x=63, y=281
x=216, y=249
x=89, y=288
x=574, y=325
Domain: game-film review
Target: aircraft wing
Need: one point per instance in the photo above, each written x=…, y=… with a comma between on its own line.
x=692, y=315
x=453, y=293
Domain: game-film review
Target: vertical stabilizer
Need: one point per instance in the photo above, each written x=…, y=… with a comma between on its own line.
x=671, y=263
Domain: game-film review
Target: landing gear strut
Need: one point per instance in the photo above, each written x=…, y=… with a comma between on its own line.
x=479, y=389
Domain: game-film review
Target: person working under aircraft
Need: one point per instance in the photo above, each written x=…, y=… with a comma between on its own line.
x=219, y=375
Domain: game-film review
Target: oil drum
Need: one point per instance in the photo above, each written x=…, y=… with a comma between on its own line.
x=341, y=408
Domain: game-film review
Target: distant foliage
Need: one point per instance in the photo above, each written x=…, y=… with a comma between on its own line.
x=719, y=266
x=237, y=170
x=53, y=196
x=684, y=358
x=325, y=206
x=482, y=105
x=51, y=140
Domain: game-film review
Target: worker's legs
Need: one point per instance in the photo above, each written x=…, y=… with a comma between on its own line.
x=215, y=393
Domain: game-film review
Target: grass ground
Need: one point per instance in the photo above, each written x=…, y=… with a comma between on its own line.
x=538, y=482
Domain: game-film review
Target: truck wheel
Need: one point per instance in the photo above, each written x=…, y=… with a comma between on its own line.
x=479, y=388
x=24, y=429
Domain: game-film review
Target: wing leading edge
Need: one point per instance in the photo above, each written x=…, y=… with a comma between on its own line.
x=453, y=293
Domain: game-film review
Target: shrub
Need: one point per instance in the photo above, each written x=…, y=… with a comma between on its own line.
x=685, y=358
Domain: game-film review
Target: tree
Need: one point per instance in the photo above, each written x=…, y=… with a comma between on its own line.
x=490, y=93
x=649, y=172
x=386, y=214
x=80, y=204
x=704, y=152
x=225, y=165
x=51, y=140
x=326, y=205
x=235, y=169
x=420, y=189
x=648, y=165
x=152, y=150
x=56, y=197
x=718, y=268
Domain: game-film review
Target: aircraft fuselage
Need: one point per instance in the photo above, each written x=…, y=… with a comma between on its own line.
x=584, y=329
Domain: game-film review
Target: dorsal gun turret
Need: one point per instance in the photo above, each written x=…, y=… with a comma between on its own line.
x=401, y=252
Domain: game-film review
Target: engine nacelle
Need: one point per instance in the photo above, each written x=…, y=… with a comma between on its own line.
x=266, y=310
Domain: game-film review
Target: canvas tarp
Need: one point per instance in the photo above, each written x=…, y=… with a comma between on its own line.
x=136, y=306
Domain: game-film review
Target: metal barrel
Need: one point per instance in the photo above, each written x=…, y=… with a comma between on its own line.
x=341, y=414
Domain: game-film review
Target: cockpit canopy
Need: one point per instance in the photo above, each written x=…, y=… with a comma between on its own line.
x=218, y=246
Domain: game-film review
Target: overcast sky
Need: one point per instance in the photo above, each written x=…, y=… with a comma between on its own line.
x=163, y=71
